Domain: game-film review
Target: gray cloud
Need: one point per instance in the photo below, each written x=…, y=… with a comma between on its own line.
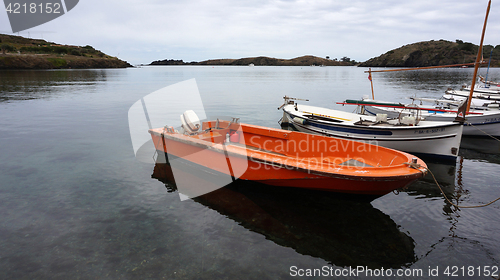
x=143, y=31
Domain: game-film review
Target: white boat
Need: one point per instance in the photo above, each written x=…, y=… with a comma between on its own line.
x=484, y=87
x=489, y=83
x=452, y=99
x=481, y=88
x=477, y=123
x=482, y=95
x=476, y=94
x=425, y=138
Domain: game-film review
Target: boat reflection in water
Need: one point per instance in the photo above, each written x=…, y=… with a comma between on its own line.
x=341, y=229
x=481, y=148
x=450, y=176
x=444, y=173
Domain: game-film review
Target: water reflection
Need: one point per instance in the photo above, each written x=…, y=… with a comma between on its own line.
x=449, y=175
x=343, y=231
x=38, y=84
x=481, y=148
x=453, y=179
x=431, y=80
x=445, y=174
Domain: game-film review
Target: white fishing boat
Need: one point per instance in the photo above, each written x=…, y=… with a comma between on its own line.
x=475, y=94
x=477, y=122
x=489, y=83
x=484, y=93
x=453, y=99
x=484, y=87
x=425, y=138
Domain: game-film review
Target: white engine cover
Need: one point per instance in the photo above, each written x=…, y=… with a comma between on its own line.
x=190, y=121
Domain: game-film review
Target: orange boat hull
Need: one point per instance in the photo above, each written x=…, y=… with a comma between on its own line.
x=288, y=158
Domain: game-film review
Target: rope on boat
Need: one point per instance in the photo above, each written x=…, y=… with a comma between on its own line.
x=418, y=166
x=482, y=131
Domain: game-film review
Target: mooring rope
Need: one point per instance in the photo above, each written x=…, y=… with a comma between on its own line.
x=471, y=206
x=418, y=166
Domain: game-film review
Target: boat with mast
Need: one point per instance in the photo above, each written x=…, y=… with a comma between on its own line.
x=476, y=122
x=423, y=138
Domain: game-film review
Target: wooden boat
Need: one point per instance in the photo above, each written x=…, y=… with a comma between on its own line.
x=477, y=122
x=483, y=90
x=425, y=138
x=483, y=95
x=495, y=85
x=288, y=158
x=484, y=86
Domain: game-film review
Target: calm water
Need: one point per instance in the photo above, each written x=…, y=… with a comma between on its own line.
x=75, y=203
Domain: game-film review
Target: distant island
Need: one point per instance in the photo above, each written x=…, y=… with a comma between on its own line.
x=24, y=53
x=306, y=60
x=421, y=54
x=434, y=53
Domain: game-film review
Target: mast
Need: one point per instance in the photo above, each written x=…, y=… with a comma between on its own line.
x=486, y=85
x=478, y=58
x=371, y=82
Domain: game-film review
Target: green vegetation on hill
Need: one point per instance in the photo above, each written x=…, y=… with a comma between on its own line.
x=23, y=53
x=433, y=53
x=306, y=60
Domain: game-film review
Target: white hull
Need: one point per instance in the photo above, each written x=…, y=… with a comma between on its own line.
x=427, y=138
x=475, y=125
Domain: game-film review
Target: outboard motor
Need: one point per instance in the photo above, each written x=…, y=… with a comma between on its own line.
x=190, y=122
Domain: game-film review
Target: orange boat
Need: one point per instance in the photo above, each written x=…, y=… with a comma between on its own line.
x=287, y=158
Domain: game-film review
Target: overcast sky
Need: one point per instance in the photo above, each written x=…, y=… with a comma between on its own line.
x=196, y=30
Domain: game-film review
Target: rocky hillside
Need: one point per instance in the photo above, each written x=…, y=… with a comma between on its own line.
x=307, y=60
x=23, y=53
x=432, y=53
